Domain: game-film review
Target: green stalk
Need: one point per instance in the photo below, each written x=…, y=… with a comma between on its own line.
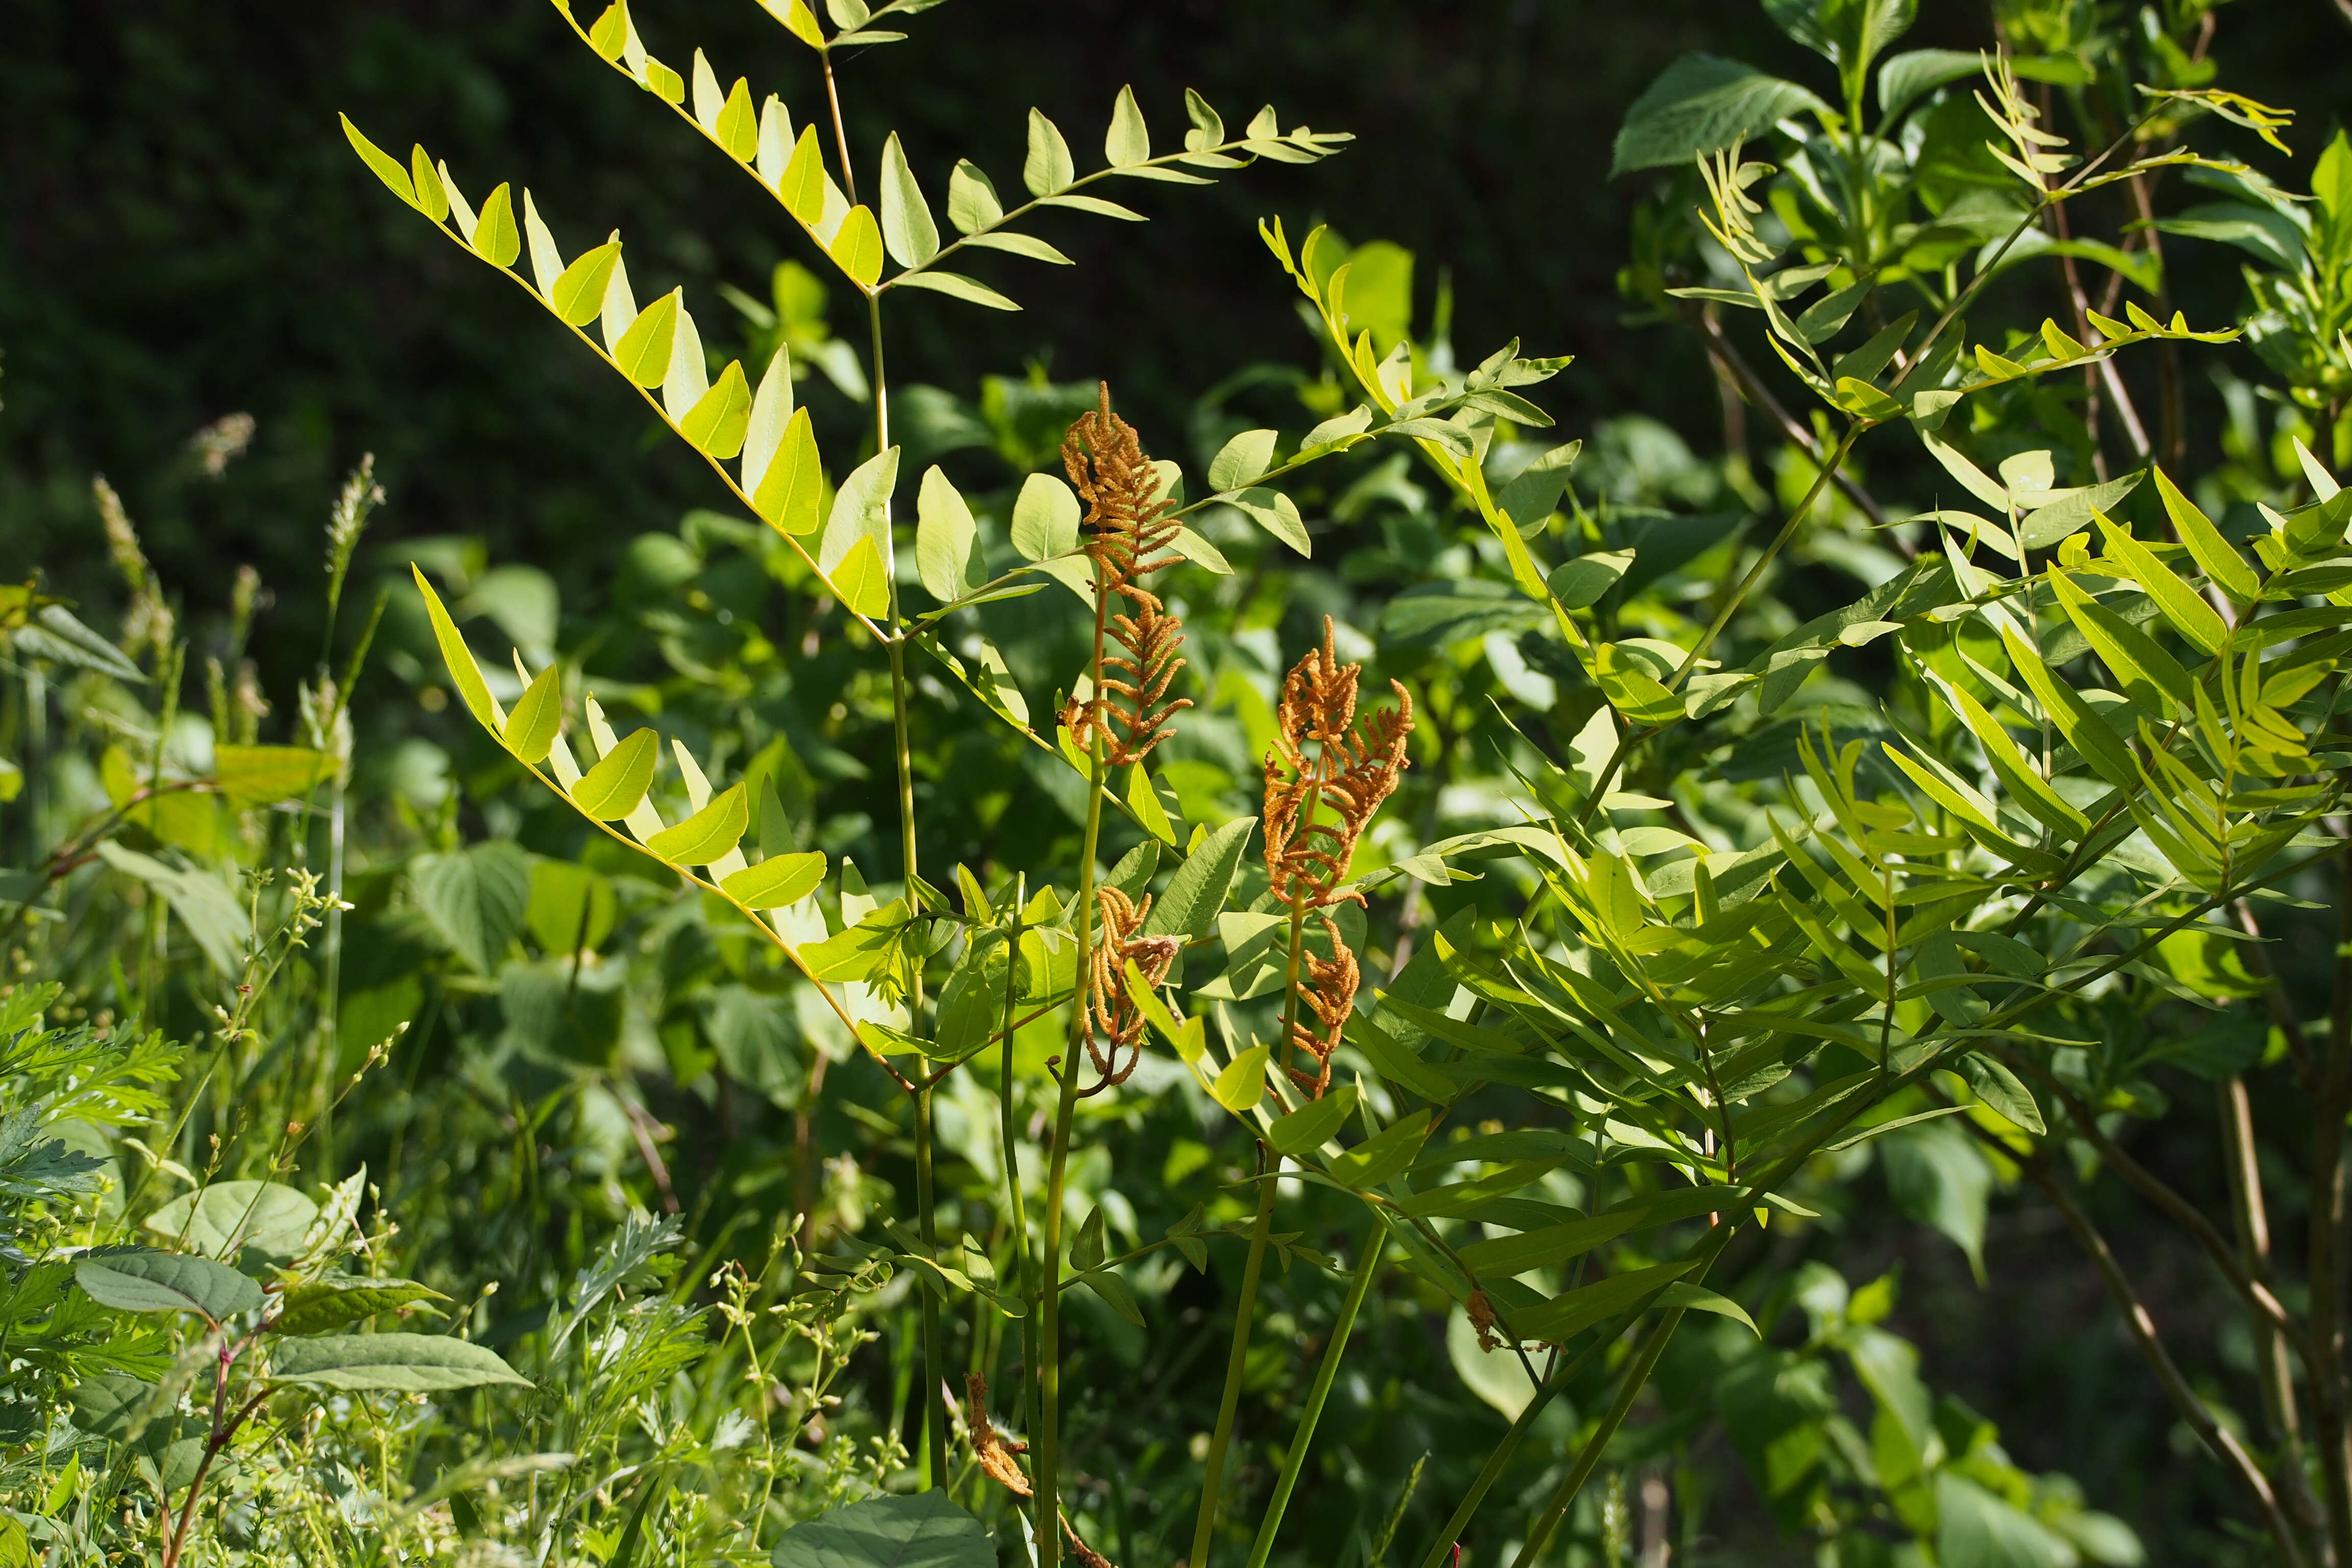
x=1048, y=1481
x=1628, y=1387
x=1213, y=1482
x=1324, y=1375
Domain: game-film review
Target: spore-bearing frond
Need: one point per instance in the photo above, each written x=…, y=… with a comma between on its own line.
x=1128, y=536
x=1317, y=804
x=1116, y=1020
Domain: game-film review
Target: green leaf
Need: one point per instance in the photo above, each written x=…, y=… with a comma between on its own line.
x=1381, y=1156
x=2214, y=555
x=263, y=775
x=464, y=673
x=715, y=424
x=116, y=1407
x=1044, y=518
x=1276, y=514
x=398, y=1364
x=205, y=904
x=532, y=727
x=1243, y=1083
x=2180, y=603
x=1693, y=1298
x=1534, y=492
x=794, y=481
x=972, y=203
x=1573, y=1311
x=611, y=789
x=857, y=247
x=1048, y=168
x=643, y=353
x=802, y=187
x=1975, y=1528
x=709, y=833
x=1848, y=33
x=1506, y=1257
x=387, y=167
x=1240, y=461
x=166, y=1282
x=579, y=294
x=955, y=284
x=2089, y=734
x=2149, y=676
x=923, y=1531
x=224, y=1219
x=1313, y=1124
x=570, y=908
x=1196, y=892
x=778, y=880
x=861, y=579
x=1632, y=689
x=1703, y=103
x=323, y=1306
x=1128, y=141
x=476, y=896
x=909, y=231
x=944, y=536
x=861, y=512
x=1905, y=76
x=1581, y=583
x=496, y=238
x=2003, y=1092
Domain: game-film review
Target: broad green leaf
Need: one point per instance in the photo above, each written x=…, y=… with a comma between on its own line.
x=385, y=166
x=1905, y=77
x=1243, y=1083
x=1975, y=1528
x=609, y=35
x=921, y=1530
x=802, y=187
x=1312, y=1125
x=1128, y=141
x=1028, y=245
x=476, y=898
x=1276, y=514
x=1703, y=103
x=1381, y=1156
x=578, y=295
x=323, y=1306
x=431, y=199
x=771, y=411
x=263, y=775
x=570, y=909
x=2004, y=1092
x=778, y=880
x=1196, y=892
x=1848, y=33
x=1048, y=168
x=861, y=579
x=709, y=833
x=398, y=1364
x=532, y=728
x=972, y=203
x=858, y=951
x=794, y=481
x=1572, y=1313
x=1044, y=518
x=857, y=247
x=738, y=129
x=116, y=1407
x=205, y=904
x=496, y=238
x=1534, y=492
x=909, y=231
x=1115, y=1293
x=2017, y=774
x=957, y=286
x=1632, y=689
x=643, y=353
x=1143, y=800
x=166, y=1282
x=1240, y=461
x=944, y=536
x=611, y=789
x=464, y=673
x=224, y=1219
x=1580, y=584
x=715, y=425
x=1693, y=1298
x=2215, y=555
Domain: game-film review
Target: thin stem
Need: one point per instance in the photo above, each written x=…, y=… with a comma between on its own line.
x=1629, y=1387
x=1752, y=387
x=1295, y=1461
x=1212, y=1478
x=935, y=1415
x=2325, y=1264
x=1048, y=1481
x=2184, y=1399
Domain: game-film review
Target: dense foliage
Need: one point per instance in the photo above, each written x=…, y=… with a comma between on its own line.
x=1354, y=991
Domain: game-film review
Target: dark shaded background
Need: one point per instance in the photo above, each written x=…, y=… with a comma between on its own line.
x=183, y=234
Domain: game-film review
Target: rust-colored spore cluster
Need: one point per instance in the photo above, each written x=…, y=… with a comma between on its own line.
x=1117, y=1021
x=1318, y=804
x=996, y=1456
x=1128, y=536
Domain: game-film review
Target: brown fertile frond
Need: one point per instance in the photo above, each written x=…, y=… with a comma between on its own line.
x=1128, y=534
x=1114, y=1016
x=993, y=1453
x=1325, y=778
